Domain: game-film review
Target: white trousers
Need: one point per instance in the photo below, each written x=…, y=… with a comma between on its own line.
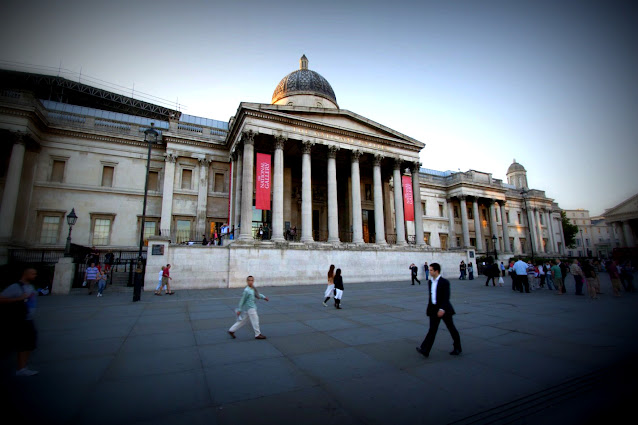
x=329, y=291
x=339, y=294
x=250, y=314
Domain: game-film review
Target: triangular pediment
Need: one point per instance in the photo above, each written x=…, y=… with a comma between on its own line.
x=626, y=209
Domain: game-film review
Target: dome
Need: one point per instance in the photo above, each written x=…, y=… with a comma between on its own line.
x=515, y=167
x=304, y=82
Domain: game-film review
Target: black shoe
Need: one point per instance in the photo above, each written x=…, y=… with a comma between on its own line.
x=423, y=353
x=455, y=352
x=413, y=284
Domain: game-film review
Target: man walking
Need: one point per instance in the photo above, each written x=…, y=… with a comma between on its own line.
x=90, y=277
x=439, y=308
x=520, y=273
x=415, y=271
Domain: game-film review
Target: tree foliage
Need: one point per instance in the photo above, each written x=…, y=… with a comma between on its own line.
x=569, y=231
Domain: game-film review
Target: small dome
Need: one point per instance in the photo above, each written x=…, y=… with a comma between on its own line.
x=304, y=82
x=515, y=167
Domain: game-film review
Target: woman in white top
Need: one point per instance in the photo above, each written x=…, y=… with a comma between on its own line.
x=331, y=285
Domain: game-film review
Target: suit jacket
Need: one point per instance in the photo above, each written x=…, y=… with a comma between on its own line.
x=442, y=298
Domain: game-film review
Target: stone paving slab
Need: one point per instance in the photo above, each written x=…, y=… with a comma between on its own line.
x=169, y=359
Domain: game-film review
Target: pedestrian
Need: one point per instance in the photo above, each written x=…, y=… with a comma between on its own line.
x=204, y=240
x=564, y=269
x=541, y=274
x=548, y=276
x=247, y=310
x=90, y=277
x=590, y=274
x=18, y=305
x=166, y=278
x=627, y=277
x=101, y=282
x=520, y=270
x=512, y=274
x=427, y=270
x=492, y=273
x=414, y=271
x=531, y=276
x=109, y=259
x=331, y=285
x=338, y=289
x=216, y=237
x=612, y=269
x=502, y=269
x=579, y=277
x=557, y=276
x=261, y=232
x=158, y=289
x=439, y=308
x=470, y=271
x=95, y=255
x=462, y=269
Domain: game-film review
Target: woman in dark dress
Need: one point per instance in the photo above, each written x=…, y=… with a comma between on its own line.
x=338, y=288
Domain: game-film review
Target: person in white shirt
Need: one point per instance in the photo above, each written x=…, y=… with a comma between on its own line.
x=520, y=270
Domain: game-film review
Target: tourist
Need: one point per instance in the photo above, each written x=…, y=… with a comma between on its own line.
x=331, y=285
x=612, y=269
x=247, y=310
x=541, y=274
x=520, y=269
x=439, y=308
x=502, y=270
x=427, y=270
x=101, y=282
x=491, y=271
x=627, y=277
x=462, y=269
x=414, y=271
x=564, y=269
x=470, y=271
x=531, y=276
x=166, y=278
x=557, y=276
x=18, y=303
x=260, y=232
x=204, y=240
x=512, y=274
x=338, y=288
x=109, y=259
x=158, y=289
x=590, y=274
x=216, y=238
x=579, y=277
x=90, y=277
x=548, y=276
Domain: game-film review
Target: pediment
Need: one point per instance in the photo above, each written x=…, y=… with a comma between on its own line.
x=626, y=209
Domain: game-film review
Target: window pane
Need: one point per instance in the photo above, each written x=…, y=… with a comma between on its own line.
x=183, y=230
x=57, y=173
x=153, y=180
x=219, y=182
x=101, y=231
x=50, y=229
x=107, y=176
x=440, y=210
x=187, y=176
x=149, y=229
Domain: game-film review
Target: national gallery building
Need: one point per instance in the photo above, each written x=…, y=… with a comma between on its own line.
x=320, y=180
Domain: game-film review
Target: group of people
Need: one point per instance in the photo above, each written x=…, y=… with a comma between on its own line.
x=164, y=281
x=216, y=238
x=95, y=275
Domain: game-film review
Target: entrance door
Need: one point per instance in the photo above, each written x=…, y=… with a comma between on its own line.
x=368, y=226
x=315, y=226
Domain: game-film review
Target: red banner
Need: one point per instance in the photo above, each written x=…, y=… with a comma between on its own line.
x=262, y=188
x=408, y=199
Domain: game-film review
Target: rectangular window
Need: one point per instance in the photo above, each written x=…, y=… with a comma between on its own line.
x=57, y=171
x=458, y=241
x=519, y=218
x=153, y=180
x=440, y=210
x=101, y=231
x=424, y=207
x=187, y=178
x=107, y=176
x=149, y=230
x=456, y=211
x=512, y=245
x=426, y=238
x=219, y=182
x=183, y=231
x=523, y=245
x=507, y=217
x=50, y=229
x=473, y=241
x=577, y=242
x=443, y=240
x=484, y=211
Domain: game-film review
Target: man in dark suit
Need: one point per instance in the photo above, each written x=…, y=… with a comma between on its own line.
x=439, y=308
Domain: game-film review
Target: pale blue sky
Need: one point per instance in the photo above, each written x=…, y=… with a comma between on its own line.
x=550, y=83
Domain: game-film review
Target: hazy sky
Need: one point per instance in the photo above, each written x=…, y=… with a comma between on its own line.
x=551, y=83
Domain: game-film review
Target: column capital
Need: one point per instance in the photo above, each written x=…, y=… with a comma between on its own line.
x=355, y=155
x=377, y=158
x=332, y=151
x=307, y=146
x=19, y=138
x=462, y=197
x=204, y=161
x=416, y=167
x=501, y=202
x=170, y=157
x=280, y=141
x=248, y=137
x=397, y=163
x=450, y=199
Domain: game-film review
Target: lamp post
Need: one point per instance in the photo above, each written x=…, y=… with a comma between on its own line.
x=524, y=193
x=70, y=220
x=150, y=137
x=494, y=240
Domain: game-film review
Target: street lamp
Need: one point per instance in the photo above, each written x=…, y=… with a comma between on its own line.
x=70, y=220
x=494, y=239
x=150, y=137
x=524, y=193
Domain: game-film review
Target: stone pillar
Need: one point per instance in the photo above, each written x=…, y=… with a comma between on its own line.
x=63, y=276
x=333, y=206
x=306, y=194
x=477, y=225
x=202, y=196
x=11, y=189
x=629, y=236
x=506, y=234
x=357, y=220
x=532, y=229
x=278, y=191
x=379, y=226
x=493, y=225
x=562, y=237
x=398, y=203
x=619, y=232
x=537, y=217
x=464, y=222
x=246, y=231
x=167, y=194
x=238, y=184
x=550, y=229
x=231, y=191
x=451, y=230
x=418, y=208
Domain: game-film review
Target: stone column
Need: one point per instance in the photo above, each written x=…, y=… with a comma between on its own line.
x=379, y=227
x=11, y=189
x=357, y=220
x=506, y=234
x=306, y=194
x=202, y=196
x=451, y=230
x=231, y=189
x=238, y=184
x=539, y=232
x=629, y=236
x=398, y=203
x=477, y=225
x=167, y=194
x=333, y=206
x=464, y=222
x=532, y=229
x=493, y=225
x=278, y=191
x=246, y=230
x=418, y=208
x=619, y=232
x=562, y=237
x=550, y=228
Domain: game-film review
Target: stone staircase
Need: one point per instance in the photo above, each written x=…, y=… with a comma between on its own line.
x=118, y=282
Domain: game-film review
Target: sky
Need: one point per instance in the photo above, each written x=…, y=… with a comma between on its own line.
x=552, y=84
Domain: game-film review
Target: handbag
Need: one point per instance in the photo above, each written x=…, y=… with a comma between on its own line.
x=500, y=279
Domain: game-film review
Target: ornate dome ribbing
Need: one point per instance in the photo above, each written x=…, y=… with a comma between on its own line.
x=304, y=81
x=515, y=167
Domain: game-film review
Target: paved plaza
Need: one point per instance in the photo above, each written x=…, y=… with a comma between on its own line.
x=527, y=358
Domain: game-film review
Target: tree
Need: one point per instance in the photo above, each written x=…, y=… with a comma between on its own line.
x=569, y=231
